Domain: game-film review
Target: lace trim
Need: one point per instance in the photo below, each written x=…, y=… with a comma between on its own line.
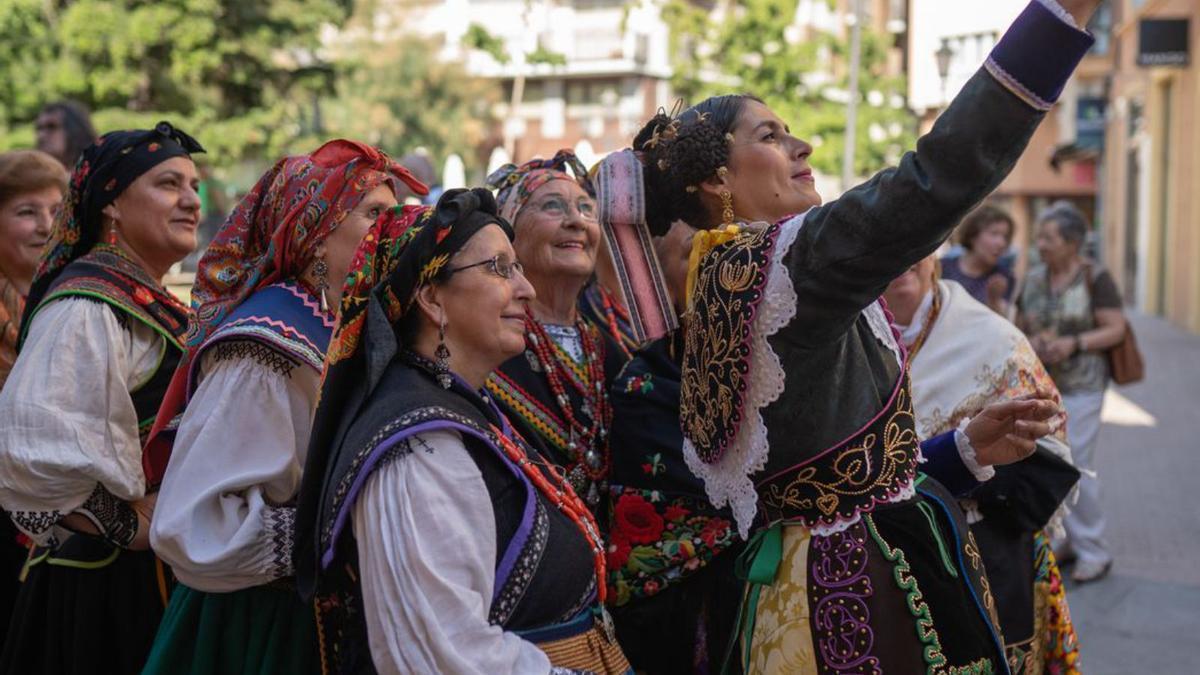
x=907, y=492
x=881, y=326
x=727, y=480
x=966, y=452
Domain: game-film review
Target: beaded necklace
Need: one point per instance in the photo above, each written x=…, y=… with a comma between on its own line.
x=559, y=492
x=564, y=498
x=586, y=445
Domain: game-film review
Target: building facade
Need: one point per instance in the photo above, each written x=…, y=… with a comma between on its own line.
x=948, y=40
x=1150, y=215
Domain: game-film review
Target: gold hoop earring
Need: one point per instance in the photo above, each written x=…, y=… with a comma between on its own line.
x=726, y=208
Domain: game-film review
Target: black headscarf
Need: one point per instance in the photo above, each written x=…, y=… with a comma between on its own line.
x=405, y=249
x=104, y=170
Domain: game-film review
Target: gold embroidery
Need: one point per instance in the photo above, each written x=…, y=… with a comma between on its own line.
x=717, y=335
x=989, y=603
x=864, y=469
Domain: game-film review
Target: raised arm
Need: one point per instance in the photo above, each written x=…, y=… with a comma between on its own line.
x=851, y=248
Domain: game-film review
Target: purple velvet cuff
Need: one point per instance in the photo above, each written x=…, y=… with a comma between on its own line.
x=945, y=465
x=1037, y=55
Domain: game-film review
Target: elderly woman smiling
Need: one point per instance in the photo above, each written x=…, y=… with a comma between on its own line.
x=557, y=391
x=434, y=538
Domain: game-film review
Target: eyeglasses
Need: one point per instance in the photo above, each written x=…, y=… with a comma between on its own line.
x=496, y=265
x=557, y=207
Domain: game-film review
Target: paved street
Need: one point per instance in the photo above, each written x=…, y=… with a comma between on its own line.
x=1145, y=617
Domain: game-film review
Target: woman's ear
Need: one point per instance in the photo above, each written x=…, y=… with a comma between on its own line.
x=428, y=303
x=111, y=212
x=718, y=183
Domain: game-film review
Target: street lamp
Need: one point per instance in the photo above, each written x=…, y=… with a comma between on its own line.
x=944, y=54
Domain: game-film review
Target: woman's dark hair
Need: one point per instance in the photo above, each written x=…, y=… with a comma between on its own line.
x=683, y=152
x=979, y=220
x=1073, y=226
x=77, y=125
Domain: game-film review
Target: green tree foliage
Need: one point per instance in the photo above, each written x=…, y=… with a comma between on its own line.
x=240, y=75
x=755, y=48
x=399, y=95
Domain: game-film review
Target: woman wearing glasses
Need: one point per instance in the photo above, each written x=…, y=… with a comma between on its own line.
x=557, y=391
x=434, y=539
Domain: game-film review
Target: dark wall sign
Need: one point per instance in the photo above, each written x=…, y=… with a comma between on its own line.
x=1089, y=122
x=1163, y=42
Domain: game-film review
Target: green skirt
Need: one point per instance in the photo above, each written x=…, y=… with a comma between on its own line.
x=260, y=630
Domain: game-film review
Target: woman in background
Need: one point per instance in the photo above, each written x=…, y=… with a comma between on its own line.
x=1071, y=311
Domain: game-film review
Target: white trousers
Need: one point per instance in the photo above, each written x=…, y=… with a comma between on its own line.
x=1085, y=522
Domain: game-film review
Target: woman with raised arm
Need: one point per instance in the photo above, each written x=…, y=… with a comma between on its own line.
x=242, y=404
x=433, y=537
x=100, y=340
x=794, y=400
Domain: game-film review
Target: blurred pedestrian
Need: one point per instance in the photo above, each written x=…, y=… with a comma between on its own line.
x=265, y=297
x=985, y=235
x=32, y=185
x=1071, y=310
x=99, y=342
x=63, y=130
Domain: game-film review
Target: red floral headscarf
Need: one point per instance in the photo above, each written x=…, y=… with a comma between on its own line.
x=515, y=184
x=270, y=237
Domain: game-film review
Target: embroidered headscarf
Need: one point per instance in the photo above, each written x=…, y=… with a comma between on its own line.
x=270, y=236
x=104, y=170
x=515, y=184
x=406, y=248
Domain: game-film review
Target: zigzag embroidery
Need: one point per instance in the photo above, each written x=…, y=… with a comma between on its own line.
x=277, y=324
x=310, y=302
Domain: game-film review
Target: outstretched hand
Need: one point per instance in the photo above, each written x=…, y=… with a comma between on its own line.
x=1007, y=432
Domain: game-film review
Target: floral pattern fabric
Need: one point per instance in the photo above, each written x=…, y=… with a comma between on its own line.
x=655, y=540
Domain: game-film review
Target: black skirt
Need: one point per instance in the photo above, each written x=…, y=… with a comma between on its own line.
x=86, y=607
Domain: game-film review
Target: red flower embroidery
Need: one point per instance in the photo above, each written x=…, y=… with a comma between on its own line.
x=143, y=296
x=618, y=554
x=717, y=528
x=442, y=234
x=153, y=147
x=676, y=513
x=637, y=521
x=650, y=587
x=648, y=468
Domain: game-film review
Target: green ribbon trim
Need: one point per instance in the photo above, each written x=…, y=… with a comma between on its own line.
x=758, y=565
x=931, y=517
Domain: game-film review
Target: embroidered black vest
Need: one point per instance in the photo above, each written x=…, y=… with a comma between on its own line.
x=544, y=572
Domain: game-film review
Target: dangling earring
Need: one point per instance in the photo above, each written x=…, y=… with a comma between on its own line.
x=441, y=363
x=111, y=237
x=726, y=200
x=726, y=208
x=321, y=272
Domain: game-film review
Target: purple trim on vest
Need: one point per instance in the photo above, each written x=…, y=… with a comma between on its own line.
x=1037, y=55
x=838, y=594
x=519, y=538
